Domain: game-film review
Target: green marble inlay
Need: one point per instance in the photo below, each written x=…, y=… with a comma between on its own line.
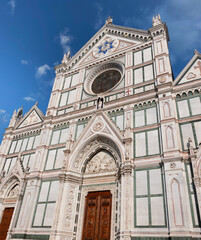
x=30, y=236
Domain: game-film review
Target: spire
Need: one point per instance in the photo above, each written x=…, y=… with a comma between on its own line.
x=109, y=20
x=156, y=20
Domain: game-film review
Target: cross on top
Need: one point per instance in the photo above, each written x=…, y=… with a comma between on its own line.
x=199, y=67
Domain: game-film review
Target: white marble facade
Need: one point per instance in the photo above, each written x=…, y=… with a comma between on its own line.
x=137, y=136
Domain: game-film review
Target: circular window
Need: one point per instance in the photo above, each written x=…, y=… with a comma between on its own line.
x=105, y=81
x=104, y=78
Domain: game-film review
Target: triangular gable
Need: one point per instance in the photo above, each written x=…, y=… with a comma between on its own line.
x=111, y=30
x=33, y=116
x=99, y=124
x=100, y=130
x=108, y=45
x=191, y=72
x=16, y=172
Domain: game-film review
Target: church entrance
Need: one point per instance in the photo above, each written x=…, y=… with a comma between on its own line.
x=97, y=217
x=5, y=222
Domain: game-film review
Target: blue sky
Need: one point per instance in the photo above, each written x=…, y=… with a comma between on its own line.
x=35, y=34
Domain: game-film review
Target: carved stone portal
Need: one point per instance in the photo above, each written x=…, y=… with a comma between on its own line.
x=101, y=162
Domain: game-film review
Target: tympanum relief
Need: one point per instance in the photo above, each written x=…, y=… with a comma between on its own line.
x=101, y=162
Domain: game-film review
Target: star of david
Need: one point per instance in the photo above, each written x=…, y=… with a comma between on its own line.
x=105, y=47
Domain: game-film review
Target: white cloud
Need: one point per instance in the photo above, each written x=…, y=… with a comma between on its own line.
x=99, y=17
x=42, y=70
x=12, y=3
x=2, y=111
x=4, y=116
x=65, y=39
x=24, y=62
x=29, y=99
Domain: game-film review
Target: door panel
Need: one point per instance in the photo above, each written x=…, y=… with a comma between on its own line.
x=5, y=222
x=97, y=220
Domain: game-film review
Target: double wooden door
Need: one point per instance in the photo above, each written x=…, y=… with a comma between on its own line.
x=5, y=222
x=97, y=218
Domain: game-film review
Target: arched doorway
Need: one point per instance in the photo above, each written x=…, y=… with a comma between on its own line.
x=9, y=196
x=99, y=196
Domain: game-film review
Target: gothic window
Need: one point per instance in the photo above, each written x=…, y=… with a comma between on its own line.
x=24, y=144
x=118, y=118
x=146, y=143
x=143, y=74
x=145, y=116
x=190, y=130
x=143, y=56
x=54, y=159
x=189, y=106
x=71, y=81
x=149, y=205
x=9, y=163
x=67, y=98
x=28, y=160
x=59, y=135
x=46, y=203
x=80, y=127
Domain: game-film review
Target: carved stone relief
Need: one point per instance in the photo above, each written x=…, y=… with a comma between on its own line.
x=101, y=162
x=14, y=192
x=70, y=200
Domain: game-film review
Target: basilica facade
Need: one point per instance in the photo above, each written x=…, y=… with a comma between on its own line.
x=117, y=154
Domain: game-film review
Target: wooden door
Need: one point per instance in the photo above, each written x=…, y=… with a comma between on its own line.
x=97, y=218
x=5, y=222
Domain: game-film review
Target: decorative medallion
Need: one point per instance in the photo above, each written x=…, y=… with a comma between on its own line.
x=98, y=126
x=106, y=47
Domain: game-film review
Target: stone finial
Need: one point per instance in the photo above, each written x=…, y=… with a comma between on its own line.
x=20, y=113
x=109, y=20
x=156, y=20
x=196, y=52
x=66, y=57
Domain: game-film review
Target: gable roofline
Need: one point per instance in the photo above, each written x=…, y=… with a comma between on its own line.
x=140, y=35
x=38, y=111
x=196, y=56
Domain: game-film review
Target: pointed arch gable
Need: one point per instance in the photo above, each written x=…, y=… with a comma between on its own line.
x=90, y=147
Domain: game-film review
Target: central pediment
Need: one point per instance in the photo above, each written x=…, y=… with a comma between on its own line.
x=109, y=40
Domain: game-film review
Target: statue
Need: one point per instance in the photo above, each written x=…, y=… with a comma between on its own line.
x=66, y=57
x=109, y=20
x=20, y=113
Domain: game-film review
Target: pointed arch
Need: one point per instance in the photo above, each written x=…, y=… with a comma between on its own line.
x=92, y=146
x=166, y=110
x=176, y=203
x=169, y=137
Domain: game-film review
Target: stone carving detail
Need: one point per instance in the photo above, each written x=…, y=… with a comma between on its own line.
x=101, y=162
x=85, y=150
x=172, y=165
x=162, y=79
x=191, y=75
x=69, y=207
x=199, y=67
x=14, y=192
x=156, y=20
x=98, y=126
